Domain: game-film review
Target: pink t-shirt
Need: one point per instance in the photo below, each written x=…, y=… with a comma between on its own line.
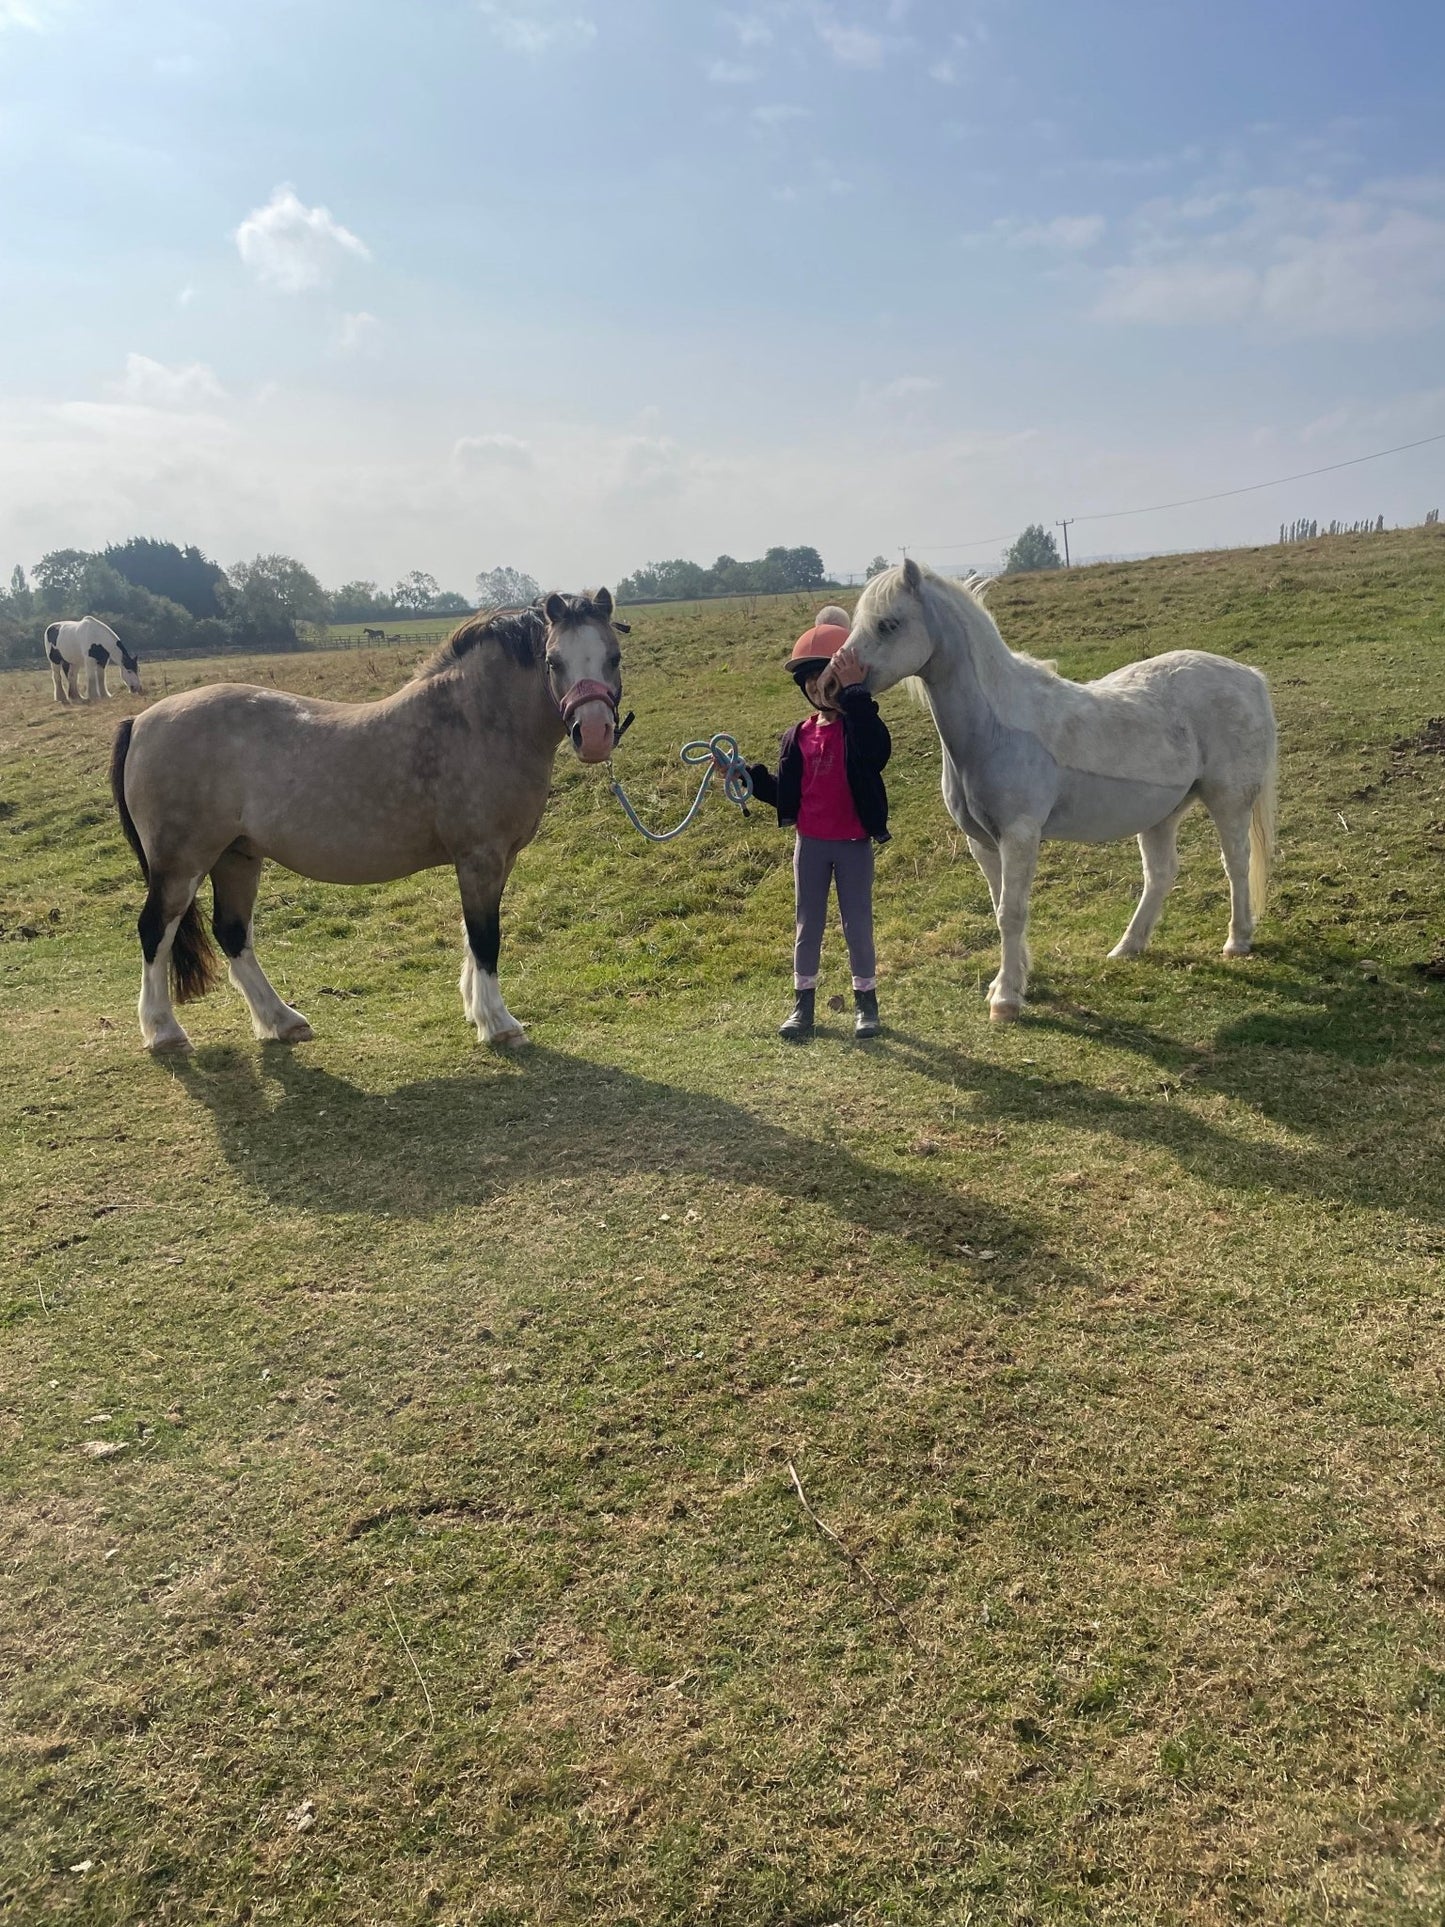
x=826, y=809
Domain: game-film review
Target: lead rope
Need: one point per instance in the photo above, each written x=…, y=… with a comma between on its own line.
x=723, y=758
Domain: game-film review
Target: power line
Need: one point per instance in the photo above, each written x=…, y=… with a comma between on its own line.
x=1192, y=501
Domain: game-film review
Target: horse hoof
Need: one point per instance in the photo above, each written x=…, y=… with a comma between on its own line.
x=1238, y=949
x=169, y=1040
x=508, y=1039
x=1126, y=950
x=1004, y=1013
x=297, y=1033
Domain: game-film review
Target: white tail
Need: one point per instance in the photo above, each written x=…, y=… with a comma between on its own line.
x=1261, y=837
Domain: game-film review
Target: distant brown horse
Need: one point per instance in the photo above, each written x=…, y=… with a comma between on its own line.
x=452, y=768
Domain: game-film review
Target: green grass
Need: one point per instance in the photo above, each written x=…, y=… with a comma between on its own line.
x=451, y=1569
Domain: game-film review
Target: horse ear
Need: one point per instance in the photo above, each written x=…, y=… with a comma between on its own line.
x=912, y=575
x=555, y=607
x=602, y=603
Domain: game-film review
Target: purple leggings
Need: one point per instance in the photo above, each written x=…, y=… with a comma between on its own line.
x=817, y=863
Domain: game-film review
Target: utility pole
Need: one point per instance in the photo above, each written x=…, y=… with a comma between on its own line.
x=1064, y=525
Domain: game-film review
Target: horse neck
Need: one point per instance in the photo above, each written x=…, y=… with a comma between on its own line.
x=496, y=691
x=957, y=691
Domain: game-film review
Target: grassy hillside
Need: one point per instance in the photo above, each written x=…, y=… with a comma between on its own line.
x=397, y=1439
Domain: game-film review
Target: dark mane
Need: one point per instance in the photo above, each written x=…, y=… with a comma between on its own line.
x=518, y=632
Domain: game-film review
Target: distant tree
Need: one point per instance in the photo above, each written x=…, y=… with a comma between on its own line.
x=416, y=591
x=877, y=566
x=358, y=602
x=1034, y=549
x=183, y=576
x=19, y=598
x=1432, y=516
x=266, y=598
x=504, y=588
x=59, y=575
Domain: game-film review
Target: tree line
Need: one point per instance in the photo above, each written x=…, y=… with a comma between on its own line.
x=162, y=598
x=678, y=581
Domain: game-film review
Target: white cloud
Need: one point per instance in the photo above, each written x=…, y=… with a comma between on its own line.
x=358, y=334
x=537, y=26
x=850, y=46
x=1299, y=262
x=750, y=30
x=1066, y=233
x=1189, y=293
x=35, y=15
x=776, y=113
x=897, y=396
x=290, y=246
x=492, y=451
x=186, y=296
x=730, y=73
x=154, y=385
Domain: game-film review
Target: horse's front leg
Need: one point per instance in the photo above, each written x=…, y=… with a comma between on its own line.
x=59, y=678
x=1018, y=851
x=482, y=878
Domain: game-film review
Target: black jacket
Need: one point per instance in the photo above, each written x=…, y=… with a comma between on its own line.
x=866, y=749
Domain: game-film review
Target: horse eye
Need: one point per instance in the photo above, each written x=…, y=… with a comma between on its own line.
x=888, y=625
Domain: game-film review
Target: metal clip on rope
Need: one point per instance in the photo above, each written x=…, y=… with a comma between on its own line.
x=722, y=757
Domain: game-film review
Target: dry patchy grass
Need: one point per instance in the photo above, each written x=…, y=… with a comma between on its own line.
x=450, y=1568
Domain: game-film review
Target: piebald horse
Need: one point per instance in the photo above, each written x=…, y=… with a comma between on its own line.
x=453, y=768
x=87, y=641
x=1028, y=754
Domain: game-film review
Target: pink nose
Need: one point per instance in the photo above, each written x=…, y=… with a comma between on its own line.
x=592, y=728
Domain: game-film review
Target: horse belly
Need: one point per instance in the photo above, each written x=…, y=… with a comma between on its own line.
x=349, y=850
x=1101, y=809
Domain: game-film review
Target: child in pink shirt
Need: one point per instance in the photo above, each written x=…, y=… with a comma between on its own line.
x=829, y=785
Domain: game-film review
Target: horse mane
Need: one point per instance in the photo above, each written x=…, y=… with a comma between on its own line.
x=997, y=667
x=517, y=632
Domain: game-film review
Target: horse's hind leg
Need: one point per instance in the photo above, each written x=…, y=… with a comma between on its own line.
x=1159, y=848
x=167, y=900
x=234, y=881
x=1231, y=815
x=482, y=880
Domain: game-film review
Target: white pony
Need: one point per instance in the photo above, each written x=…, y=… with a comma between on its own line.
x=1028, y=754
x=88, y=641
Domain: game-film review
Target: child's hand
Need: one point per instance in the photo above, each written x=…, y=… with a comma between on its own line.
x=846, y=668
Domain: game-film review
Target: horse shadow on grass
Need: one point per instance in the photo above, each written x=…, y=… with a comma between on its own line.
x=309, y=1139
x=1309, y=1071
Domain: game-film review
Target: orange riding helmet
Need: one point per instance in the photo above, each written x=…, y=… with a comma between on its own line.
x=814, y=650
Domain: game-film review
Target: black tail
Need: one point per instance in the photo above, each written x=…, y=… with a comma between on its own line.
x=195, y=963
x=119, y=751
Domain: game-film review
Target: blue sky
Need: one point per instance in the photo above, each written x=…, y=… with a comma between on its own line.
x=576, y=284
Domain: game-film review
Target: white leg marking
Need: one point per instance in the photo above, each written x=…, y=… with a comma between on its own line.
x=482, y=1002
x=158, y=1026
x=272, y=1018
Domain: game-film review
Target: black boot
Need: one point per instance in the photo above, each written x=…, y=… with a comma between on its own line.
x=799, y=1027
x=866, y=1024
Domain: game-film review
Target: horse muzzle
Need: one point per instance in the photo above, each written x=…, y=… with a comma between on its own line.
x=589, y=715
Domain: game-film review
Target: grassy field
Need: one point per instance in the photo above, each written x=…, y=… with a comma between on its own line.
x=397, y=1513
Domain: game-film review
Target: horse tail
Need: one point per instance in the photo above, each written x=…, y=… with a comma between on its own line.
x=195, y=961
x=1261, y=829
x=120, y=750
